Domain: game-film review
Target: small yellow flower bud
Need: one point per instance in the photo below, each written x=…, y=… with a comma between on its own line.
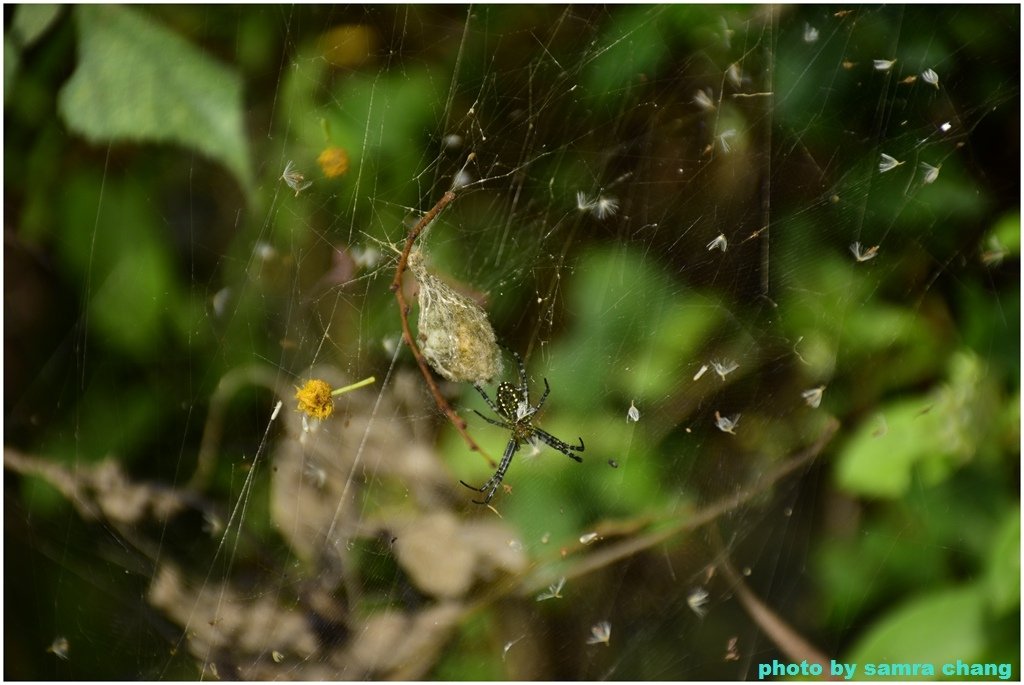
x=333, y=161
x=315, y=399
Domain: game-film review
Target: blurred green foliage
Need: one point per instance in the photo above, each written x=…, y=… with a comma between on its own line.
x=174, y=92
x=152, y=249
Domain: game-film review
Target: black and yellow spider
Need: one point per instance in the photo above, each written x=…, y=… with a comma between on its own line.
x=516, y=414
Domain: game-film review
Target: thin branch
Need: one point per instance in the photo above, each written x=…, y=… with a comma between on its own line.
x=663, y=531
x=541, y=575
x=229, y=384
x=403, y=310
x=789, y=641
x=425, y=220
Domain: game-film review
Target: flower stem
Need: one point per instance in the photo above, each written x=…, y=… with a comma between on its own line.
x=355, y=386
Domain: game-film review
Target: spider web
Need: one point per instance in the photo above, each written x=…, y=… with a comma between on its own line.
x=676, y=215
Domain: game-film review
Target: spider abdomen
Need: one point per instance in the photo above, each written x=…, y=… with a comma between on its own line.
x=509, y=401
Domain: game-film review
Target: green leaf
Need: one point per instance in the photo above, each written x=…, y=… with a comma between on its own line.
x=635, y=46
x=138, y=81
x=31, y=21
x=128, y=307
x=930, y=434
x=12, y=58
x=936, y=629
x=1005, y=235
x=618, y=295
x=1004, y=566
x=880, y=459
x=122, y=259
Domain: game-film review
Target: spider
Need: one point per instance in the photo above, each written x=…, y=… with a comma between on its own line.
x=516, y=414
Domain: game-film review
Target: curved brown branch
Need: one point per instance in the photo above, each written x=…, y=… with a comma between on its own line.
x=414, y=233
x=228, y=386
x=410, y=340
x=660, y=532
x=789, y=641
x=648, y=533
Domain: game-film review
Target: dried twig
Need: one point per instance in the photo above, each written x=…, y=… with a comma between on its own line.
x=657, y=533
x=403, y=309
x=789, y=641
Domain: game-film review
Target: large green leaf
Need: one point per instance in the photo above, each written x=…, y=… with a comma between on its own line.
x=929, y=434
x=936, y=629
x=138, y=81
x=636, y=46
x=1005, y=235
x=1003, y=575
x=32, y=21
x=122, y=259
x=11, y=59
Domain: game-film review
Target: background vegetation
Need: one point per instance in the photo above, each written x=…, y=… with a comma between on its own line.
x=164, y=287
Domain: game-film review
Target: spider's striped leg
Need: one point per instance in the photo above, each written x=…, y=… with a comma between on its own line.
x=563, y=447
x=487, y=399
x=547, y=389
x=491, y=486
x=490, y=420
x=524, y=388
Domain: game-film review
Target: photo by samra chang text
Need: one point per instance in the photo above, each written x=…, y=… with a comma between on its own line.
x=866, y=671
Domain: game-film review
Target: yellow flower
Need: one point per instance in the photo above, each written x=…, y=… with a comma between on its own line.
x=315, y=399
x=349, y=46
x=333, y=161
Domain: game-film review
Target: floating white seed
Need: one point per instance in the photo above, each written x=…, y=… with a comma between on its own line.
x=601, y=207
x=294, y=179
x=724, y=368
x=554, y=591
x=220, y=301
x=697, y=600
x=462, y=179
x=732, y=652
x=606, y=207
x=583, y=203
x=509, y=645
x=365, y=258
x=723, y=141
x=600, y=633
x=265, y=251
x=702, y=98
x=734, y=74
x=931, y=173
x=862, y=255
x=727, y=424
x=887, y=163
x=60, y=648
x=813, y=396
x=719, y=243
